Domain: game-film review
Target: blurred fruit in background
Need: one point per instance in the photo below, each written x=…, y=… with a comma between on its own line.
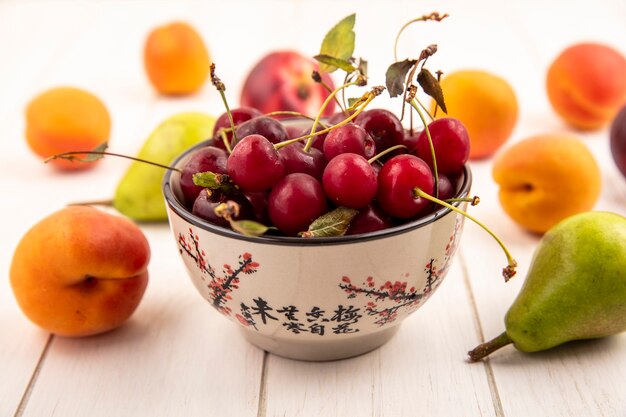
x=66, y=119
x=485, y=103
x=176, y=59
x=544, y=179
x=586, y=85
x=138, y=194
x=282, y=81
x=618, y=140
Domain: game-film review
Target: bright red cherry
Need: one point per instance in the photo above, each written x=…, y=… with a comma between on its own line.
x=396, y=182
x=450, y=142
x=383, y=126
x=254, y=164
x=350, y=181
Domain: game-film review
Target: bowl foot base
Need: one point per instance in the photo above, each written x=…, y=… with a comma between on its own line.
x=322, y=350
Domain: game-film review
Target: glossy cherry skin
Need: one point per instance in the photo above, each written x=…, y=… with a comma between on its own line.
x=207, y=159
x=296, y=159
x=295, y=202
x=396, y=182
x=446, y=189
x=383, y=126
x=272, y=129
x=349, y=138
x=254, y=164
x=259, y=201
x=350, y=181
x=450, y=142
x=205, y=204
x=239, y=115
x=370, y=219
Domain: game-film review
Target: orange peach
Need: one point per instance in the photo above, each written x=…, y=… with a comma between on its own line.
x=80, y=271
x=544, y=179
x=176, y=59
x=486, y=104
x=586, y=85
x=64, y=119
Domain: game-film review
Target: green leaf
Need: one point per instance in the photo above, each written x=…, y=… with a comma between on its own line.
x=352, y=101
x=208, y=179
x=249, y=227
x=335, y=62
x=396, y=76
x=333, y=223
x=339, y=42
x=431, y=86
x=91, y=157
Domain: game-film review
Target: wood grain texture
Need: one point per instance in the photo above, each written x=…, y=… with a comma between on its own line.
x=177, y=356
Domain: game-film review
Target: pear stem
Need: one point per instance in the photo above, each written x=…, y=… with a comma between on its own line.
x=484, y=349
x=509, y=271
x=106, y=203
x=70, y=157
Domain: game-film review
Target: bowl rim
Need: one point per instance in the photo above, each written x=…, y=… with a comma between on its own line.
x=176, y=206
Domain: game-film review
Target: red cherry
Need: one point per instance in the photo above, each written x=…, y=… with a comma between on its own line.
x=254, y=164
x=450, y=142
x=396, y=182
x=369, y=219
x=349, y=138
x=295, y=202
x=350, y=181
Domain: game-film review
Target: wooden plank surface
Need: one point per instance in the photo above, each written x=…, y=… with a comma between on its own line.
x=178, y=357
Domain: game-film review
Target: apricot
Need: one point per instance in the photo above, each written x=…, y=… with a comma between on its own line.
x=66, y=119
x=485, y=103
x=586, y=85
x=544, y=179
x=176, y=59
x=80, y=271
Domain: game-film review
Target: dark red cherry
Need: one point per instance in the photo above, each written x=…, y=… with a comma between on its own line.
x=370, y=219
x=271, y=129
x=206, y=202
x=259, y=201
x=239, y=115
x=295, y=202
x=207, y=159
x=296, y=159
x=383, y=126
x=349, y=138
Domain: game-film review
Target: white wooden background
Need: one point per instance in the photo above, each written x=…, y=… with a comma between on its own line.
x=177, y=356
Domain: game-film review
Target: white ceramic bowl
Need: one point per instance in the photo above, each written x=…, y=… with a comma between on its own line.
x=316, y=298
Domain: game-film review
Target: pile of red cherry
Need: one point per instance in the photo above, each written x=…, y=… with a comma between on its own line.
x=289, y=186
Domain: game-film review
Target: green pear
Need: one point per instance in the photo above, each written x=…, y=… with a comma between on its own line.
x=575, y=287
x=138, y=194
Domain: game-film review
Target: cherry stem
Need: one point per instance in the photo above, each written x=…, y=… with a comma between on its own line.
x=332, y=94
x=433, y=16
x=430, y=116
x=69, y=157
x=330, y=90
x=230, y=119
x=472, y=200
x=507, y=272
x=430, y=145
x=293, y=113
x=328, y=129
x=385, y=152
x=225, y=140
x=489, y=347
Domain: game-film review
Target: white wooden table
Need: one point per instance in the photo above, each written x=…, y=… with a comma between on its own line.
x=177, y=356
